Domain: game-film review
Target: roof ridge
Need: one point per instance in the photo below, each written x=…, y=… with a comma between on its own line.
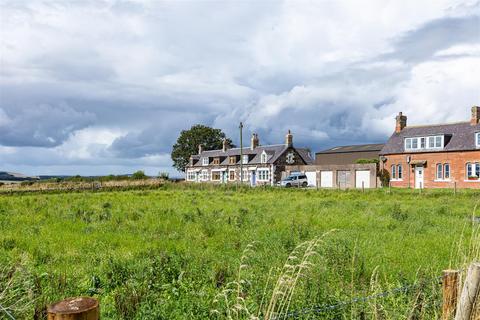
x=438, y=124
x=260, y=146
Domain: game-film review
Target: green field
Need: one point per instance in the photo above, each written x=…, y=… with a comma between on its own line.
x=168, y=253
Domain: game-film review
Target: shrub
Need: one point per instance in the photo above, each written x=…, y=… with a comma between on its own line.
x=384, y=176
x=139, y=175
x=163, y=175
x=361, y=161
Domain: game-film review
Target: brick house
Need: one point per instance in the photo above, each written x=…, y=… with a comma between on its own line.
x=434, y=156
x=261, y=165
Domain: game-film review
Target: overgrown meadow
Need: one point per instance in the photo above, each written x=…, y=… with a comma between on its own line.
x=200, y=252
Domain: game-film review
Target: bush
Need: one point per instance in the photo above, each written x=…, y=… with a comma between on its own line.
x=362, y=161
x=163, y=175
x=384, y=176
x=139, y=175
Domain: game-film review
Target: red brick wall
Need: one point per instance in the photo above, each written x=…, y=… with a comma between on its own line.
x=457, y=161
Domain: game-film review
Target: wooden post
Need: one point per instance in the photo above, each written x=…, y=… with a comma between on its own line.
x=389, y=186
x=82, y=308
x=455, y=188
x=450, y=286
x=470, y=293
x=363, y=186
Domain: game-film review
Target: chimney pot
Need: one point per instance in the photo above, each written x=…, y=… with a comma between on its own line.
x=254, y=142
x=289, y=139
x=401, y=122
x=225, y=145
x=200, y=149
x=475, y=116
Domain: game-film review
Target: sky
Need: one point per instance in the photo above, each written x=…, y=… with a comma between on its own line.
x=105, y=87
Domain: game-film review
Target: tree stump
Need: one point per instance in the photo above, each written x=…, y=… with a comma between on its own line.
x=82, y=308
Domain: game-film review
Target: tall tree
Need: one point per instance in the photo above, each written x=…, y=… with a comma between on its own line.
x=188, y=141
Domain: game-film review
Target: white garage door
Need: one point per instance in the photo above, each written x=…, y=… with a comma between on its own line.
x=312, y=178
x=326, y=179
x=362, y=177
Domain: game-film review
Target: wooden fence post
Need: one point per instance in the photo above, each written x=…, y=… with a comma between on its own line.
x=470, y=293
x=450, y=286
x=82, y=308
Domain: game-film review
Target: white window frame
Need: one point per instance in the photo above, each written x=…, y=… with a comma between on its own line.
x=439, y=171
x=263, y=157
x=445, y=176
x=424, y=143
x=205, y=161
x=263, y=174
x=245, y=174
x=204, y=175
x=477, y=139
x=245, y=159
x=399, y=172
x=474, y=169
x=190, y=175
x=234, y=175
x=394, y=172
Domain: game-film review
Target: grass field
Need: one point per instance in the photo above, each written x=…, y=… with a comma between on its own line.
x=170, y=253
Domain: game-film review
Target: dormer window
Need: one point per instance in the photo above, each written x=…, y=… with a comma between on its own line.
x=232, y=160
x=245, y=159
x=216, y=160
x=205, y=161
x=424, y=143
x=263, y=157
x=477, y=139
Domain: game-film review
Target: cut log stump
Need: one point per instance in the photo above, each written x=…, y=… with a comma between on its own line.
x=82, y=308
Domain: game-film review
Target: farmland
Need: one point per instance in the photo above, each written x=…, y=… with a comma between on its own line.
x=171, y=252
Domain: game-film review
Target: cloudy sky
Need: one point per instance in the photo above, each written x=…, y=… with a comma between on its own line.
x=99, y=87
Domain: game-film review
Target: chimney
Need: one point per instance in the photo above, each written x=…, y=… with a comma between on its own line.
x=200, y=149
x=254, y=141
x=401, y=122
x=289, y=139
x=475, y=116
x=226, y=146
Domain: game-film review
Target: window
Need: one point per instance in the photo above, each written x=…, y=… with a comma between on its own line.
x=232, y=160
x=245, y=159
x=431, y=142
x=231, y=175
x=408, y=143
x=205, y=161
x=400, y=172
x=473, y=171
x=446, y=171
x=438, y=141
x=424, y=143
x=190, y=176
x=245, y=175
x=215, y=176
x=263, y=157
x=477, y=139
x=394, y=174
x=439, y=171
x=216, y=160
x=263, y=174
x=204, y=175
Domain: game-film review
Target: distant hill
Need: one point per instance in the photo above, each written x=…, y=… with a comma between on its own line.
x=14, y=176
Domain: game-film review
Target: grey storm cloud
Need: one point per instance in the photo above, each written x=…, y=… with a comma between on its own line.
x=112, y=83
x=421, y=44
x=41, y=125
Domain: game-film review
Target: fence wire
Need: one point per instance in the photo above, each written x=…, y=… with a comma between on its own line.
x=324, y=308
x=6, y=312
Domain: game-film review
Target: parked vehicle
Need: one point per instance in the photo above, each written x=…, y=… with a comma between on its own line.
x=298, y=180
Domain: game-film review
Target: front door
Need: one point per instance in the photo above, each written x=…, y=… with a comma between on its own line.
x=253, y=178
x=419, y=181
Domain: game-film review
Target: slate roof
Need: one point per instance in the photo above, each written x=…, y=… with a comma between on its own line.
x=458, y=137
x=354, y=148
x=273, y=152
